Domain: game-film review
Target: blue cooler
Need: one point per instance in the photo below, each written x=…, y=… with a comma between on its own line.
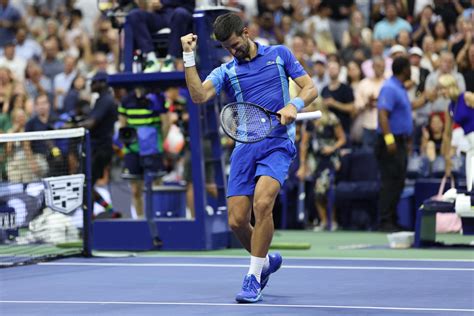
x=169, y=201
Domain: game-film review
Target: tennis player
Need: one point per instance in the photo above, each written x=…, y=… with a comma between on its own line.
x=257, y=74
x=461, y=111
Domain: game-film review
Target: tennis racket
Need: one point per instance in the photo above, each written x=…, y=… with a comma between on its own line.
x=247, y=122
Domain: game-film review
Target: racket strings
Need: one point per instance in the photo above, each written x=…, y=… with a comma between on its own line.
x=245, y=122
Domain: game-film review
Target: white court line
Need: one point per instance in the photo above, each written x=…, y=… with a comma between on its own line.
x=307, y=258
x=258, y=305
x=212, y=265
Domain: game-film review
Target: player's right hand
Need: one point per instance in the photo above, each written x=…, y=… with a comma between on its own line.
x=392, y=148
x=189, y=42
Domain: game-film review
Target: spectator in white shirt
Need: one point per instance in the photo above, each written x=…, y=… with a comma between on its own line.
x=36, y=83
x=27, y=48
x=376, y=49
x=430, y=59
x=446, y=66
x=63, y=82
x=15, y=63
x=364, y=127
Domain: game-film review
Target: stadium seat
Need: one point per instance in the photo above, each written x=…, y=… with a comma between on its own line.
x=418, y=166
x=357, y=191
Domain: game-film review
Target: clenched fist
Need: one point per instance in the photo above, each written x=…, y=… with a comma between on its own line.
x=288, y=114
x=189, y=42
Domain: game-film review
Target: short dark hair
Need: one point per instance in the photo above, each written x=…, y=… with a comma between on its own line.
x=227, y=24
x=41, y=95
x=399, y=65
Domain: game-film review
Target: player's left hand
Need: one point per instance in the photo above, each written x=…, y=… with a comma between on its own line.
x=288, y=114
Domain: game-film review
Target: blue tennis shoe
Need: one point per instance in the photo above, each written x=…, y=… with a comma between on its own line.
x=251, y=291
x=275, y=264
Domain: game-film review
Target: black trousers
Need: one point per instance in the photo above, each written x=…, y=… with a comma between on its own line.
x=145, y=23
x=101, y=158
x=393, y=169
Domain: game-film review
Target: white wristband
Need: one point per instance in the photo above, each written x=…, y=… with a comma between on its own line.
x=188, y=58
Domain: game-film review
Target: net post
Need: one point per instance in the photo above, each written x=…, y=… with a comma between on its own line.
x=88, y=207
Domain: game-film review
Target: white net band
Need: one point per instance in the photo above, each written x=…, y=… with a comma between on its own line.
x=56, y=134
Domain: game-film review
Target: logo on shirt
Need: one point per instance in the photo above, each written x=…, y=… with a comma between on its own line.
x=271, y=62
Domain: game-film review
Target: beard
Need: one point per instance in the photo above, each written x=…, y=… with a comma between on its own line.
x=243, y=53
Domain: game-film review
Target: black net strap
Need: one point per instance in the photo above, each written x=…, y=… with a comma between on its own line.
x=245, y=122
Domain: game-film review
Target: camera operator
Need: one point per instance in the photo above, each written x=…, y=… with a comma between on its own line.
x=143, y=121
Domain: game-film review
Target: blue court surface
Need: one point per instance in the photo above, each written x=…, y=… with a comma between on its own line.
x=207, y=286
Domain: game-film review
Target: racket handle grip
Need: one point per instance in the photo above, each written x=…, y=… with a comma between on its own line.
x=308, y=116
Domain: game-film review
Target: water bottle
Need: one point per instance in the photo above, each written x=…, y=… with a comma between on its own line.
x=137, y=63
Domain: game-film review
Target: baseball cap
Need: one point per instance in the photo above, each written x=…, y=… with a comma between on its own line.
x=416, y=51
x=397, y=49
x=320, y=59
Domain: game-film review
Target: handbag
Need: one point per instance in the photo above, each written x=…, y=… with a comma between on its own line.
x=447, y=221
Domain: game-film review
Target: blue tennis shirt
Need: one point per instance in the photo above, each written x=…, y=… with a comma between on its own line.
x=262, y=80
x=393, y=97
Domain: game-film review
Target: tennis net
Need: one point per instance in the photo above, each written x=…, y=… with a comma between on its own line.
x=44, y=195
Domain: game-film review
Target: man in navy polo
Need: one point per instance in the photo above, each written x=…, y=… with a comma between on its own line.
x=257, y=74
x=395, y=126
x=100, y=122
x=10, y=21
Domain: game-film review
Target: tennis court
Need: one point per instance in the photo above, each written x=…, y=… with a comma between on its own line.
x=156, y=283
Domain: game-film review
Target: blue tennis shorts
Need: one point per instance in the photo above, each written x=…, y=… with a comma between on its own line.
x=269, y=157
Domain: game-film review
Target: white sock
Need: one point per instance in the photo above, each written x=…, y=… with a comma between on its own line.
x=151, y=56
x=256, y=266
x=266, y=265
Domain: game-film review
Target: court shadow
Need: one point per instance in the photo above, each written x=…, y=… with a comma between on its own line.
x=273, y=296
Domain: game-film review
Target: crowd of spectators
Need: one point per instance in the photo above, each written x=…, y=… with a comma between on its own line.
x=49, y=51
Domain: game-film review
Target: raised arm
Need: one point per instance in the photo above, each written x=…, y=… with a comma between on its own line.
x=446, y=142
x=200, y=92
